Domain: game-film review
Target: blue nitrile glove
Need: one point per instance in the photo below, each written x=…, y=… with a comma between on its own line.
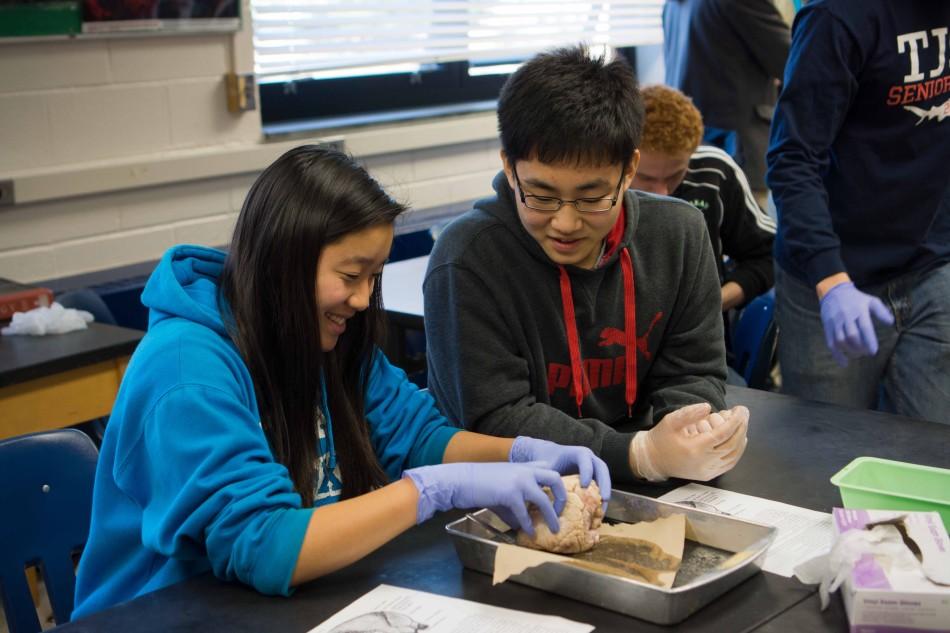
x=565, y=460
x=846, y=316
x=509, y=487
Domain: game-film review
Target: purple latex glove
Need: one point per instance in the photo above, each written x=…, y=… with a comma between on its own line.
x=565, y=460
x=508, y=487
x=846, y=316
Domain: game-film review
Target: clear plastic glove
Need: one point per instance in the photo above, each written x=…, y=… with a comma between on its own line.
x=691, y=443
x=566, y=460
x=883, y=543
x=846, y=316
x=715, y=420
x=508, y=487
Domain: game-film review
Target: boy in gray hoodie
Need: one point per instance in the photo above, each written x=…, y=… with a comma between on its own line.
x=565, y=305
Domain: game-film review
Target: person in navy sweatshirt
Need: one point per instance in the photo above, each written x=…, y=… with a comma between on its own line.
x=859, y=166
x=260, y=434
x=567, y=306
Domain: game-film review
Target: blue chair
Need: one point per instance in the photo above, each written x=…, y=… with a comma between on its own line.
x=754, y=341
x=46, y=500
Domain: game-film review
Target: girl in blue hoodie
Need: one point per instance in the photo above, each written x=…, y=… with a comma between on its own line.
x=260, y=433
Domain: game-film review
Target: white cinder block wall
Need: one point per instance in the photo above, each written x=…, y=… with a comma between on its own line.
x=107, y=115
x=67, y=106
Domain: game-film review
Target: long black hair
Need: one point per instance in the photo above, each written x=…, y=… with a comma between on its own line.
x=307, y=199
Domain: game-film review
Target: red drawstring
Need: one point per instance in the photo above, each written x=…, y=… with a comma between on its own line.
x=573, y=341
x=578, y=378
x=630, y=331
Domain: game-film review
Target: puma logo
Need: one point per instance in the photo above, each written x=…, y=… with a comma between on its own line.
x=614, y=336
x=601, y=372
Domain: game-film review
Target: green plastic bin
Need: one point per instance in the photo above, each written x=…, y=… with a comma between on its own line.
x=871, y=483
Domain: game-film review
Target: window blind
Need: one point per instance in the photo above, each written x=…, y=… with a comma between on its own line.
x=307, y=38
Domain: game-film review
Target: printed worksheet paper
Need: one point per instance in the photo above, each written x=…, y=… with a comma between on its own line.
x=388, y=609
x=802, y=533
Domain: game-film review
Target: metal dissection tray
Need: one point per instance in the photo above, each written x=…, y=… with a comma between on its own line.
x=711, y=540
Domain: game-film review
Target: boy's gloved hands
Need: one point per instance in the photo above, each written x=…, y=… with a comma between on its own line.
x=690, y=443
x=565, y=460
x=507, y=487
x=846, y=316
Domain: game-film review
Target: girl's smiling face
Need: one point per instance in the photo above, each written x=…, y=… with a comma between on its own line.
x=347, y=272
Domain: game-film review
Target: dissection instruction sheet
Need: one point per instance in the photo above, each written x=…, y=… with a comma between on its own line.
x=802, y=533
x=397, y=610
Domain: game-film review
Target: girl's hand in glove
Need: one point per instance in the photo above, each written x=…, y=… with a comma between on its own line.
x=508, y=487
x=565, y=460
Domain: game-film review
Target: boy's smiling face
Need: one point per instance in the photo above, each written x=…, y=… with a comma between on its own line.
x=567, y=235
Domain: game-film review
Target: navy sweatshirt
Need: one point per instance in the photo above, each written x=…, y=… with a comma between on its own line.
x=860, y=146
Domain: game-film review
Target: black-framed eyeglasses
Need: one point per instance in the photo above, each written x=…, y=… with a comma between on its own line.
x=550, y=204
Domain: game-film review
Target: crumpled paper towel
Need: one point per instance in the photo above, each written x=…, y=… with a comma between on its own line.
x=829, y=570
x=52, y=320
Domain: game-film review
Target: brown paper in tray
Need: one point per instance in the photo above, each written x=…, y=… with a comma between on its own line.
x=646, y=551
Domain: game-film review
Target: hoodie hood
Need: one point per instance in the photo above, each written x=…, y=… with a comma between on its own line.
x=185, y=285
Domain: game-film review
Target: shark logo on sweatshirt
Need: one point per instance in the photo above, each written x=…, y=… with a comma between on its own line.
x=599, y=373
x=939, y=112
